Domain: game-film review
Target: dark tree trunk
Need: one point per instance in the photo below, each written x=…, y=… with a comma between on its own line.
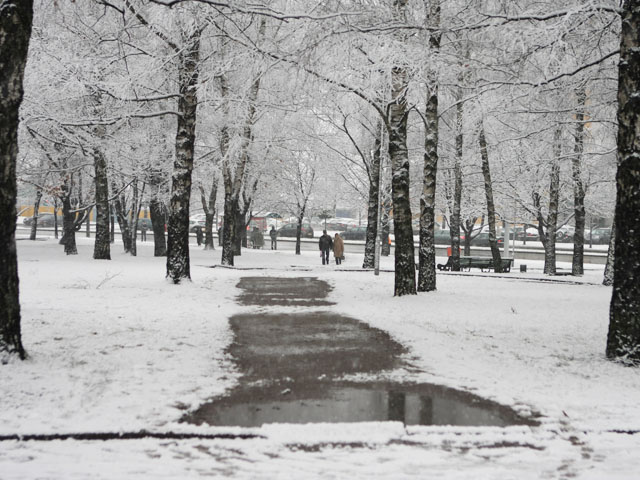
x=491, y=210
x=454, y=219
x=178, y=267
x=608, y=269
x=158, y=218
x=228, y=229
x=16, y=17
x=36, y=212
x=55, y=217
x=102, y=247
x=623, y=341
x=299, y=234
x=209, y=208
x=123, y=223
x=372, y=207
x=405, y=264
x=427, y=249
x=68, y=225
x=240, y=236
x=577, y=267
x=385, y=248
x=548, y=236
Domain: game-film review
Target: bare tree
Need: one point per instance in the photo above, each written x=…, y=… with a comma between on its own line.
x=16, y=18
x=623, y=341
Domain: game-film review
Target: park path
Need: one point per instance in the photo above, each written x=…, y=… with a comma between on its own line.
x=296, y=366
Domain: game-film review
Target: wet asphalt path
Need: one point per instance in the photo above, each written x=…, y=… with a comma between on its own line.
x=294, y=363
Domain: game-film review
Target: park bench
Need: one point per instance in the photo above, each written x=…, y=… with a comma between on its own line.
x=483, y=263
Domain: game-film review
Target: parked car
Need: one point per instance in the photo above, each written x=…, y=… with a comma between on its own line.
x=44, y=220
x=290, y=230
x=565, y=233
x=442, y=237
x=600, y=235
x=482, y=240
x=355, y=233
x=531, y=234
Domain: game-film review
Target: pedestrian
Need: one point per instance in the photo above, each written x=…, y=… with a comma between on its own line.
x=199, y=235
x=325, y=244
x=143, y=232
x=338, y=249
x=274, y=238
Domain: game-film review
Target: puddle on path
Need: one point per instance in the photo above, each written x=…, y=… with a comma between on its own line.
x=353, y=402
x=291, y=362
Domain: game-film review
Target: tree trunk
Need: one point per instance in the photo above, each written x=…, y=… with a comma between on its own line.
x=36, y=212
x=608, y=269
x=209, y=208
x=577, y=267
x=68, y=224
x=102, y=246
x=16, y=17
x=427, y=249
x=454, y=219
x=385, y=248
x=547, y=228
x=491, y=210
x=299, y=233
x=623, y=341
x=240, y=236
x=372, y=206
x=157, y=212
x=123, y=223
x=178, y=227
x=228, y=229
x=405, y=266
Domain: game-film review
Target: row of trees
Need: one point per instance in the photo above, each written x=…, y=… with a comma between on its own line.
x=497, y=105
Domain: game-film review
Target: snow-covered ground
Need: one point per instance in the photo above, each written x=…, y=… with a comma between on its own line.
x=116, y=348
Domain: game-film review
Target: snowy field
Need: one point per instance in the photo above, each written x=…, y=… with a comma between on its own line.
x=116, y=348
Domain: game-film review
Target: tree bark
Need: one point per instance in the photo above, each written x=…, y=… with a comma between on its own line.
x=491, y=210
x=123, y=222
x=372, y=206
x=228, y=228
x=547, y=228
x=405, y=268
x=608, y=269
x=178, y=267
x=102, y=245
x=16, y=18
x=209, y=208
x=427, y=249
x=36, y=212
x=577, y=267
x=157, y=212
x=454, y=219
x=623, y=341
x=68, y=225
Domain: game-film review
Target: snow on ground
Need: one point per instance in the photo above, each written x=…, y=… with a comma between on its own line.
x=114, y=347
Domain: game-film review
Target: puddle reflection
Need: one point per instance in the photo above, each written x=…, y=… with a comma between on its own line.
x=352, y=404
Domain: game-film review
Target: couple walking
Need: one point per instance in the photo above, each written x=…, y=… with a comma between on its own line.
x=326, y=244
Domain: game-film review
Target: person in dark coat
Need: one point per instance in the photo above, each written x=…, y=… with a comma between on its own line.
x=199, y=235
x=326, y=244
x=274, y=238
